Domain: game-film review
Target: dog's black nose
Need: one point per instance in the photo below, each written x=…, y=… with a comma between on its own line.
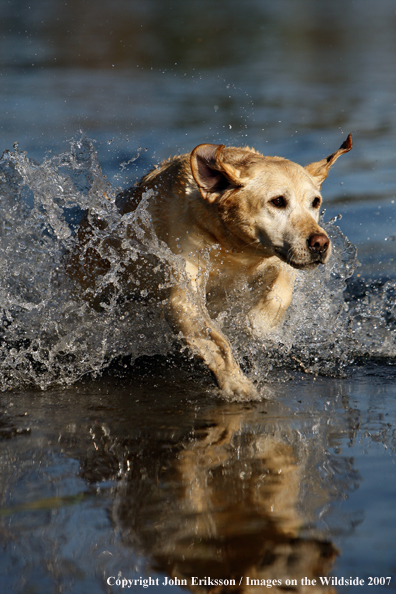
x=319, y=243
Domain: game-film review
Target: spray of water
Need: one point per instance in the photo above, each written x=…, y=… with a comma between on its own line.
x=52, y=334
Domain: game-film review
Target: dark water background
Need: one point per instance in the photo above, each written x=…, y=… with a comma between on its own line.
x=143, y=470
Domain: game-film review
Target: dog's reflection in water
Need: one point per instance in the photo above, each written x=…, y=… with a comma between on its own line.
x=224, y=504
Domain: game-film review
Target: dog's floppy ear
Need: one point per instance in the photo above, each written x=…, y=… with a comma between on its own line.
x=320, y=169
x=211, y=173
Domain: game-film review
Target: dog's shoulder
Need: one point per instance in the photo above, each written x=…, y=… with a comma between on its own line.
x=171, y=175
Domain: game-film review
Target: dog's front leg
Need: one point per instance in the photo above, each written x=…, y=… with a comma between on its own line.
x=189, y=316
x=270, y=309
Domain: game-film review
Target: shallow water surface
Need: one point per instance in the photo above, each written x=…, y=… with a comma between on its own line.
x=115, y=479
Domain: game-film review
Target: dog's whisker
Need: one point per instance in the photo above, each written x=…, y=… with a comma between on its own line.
x=289, y=255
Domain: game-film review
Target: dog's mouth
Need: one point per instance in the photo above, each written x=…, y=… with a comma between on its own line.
x=309, y=264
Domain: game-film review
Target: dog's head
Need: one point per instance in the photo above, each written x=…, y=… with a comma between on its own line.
x=265, y=205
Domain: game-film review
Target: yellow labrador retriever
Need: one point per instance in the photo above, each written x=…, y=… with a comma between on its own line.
x=228, y=210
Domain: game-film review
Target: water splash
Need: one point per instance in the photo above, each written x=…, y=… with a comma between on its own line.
x=50, y=334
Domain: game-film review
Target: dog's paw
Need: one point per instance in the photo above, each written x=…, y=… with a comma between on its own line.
x=260, y=326
x=257, y=326
x=237, y=387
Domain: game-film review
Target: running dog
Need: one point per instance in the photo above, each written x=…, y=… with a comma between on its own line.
x=249, y=214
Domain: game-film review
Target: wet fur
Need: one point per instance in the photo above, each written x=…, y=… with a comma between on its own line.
x=252, y=214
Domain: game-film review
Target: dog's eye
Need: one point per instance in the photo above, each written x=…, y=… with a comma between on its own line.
x=279, y=202
x=316, y=202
